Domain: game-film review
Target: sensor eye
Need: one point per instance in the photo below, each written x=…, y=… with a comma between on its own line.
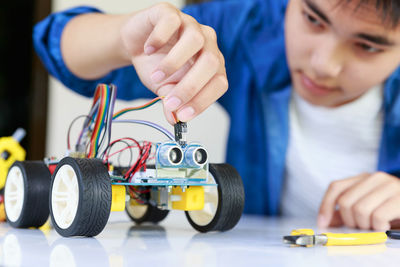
x=170, y=155
x=200, y=156
x=195, y=156
x=175, y=155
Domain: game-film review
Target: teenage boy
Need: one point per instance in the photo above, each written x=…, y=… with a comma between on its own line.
x=314, y=91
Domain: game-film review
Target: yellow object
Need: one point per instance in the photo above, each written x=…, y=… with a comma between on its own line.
x=191, y=199
x=16, y=152
x=355, y=239
x=339, y=239
x=302, y=232
x=78, y=155
x=2, y=213
x=45, y=228
x=118, y=197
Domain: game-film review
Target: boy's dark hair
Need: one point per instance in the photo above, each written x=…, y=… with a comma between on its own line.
x=389, y=9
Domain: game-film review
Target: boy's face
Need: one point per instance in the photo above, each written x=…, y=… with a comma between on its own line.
x=337, y=52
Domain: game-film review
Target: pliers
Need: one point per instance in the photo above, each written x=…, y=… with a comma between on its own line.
x=307, y=238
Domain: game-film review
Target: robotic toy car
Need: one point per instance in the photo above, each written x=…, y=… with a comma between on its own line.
x=80, y=190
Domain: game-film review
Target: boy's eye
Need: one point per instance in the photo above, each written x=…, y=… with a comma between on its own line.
x=313, y=20
x=368, y=48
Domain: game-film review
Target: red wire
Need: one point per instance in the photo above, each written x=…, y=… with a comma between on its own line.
x=140, y=191
x=149, y=145
x=137, y=145
x=141, y=161
x=119, y=151
x=96, y=94
x=144, y=153
x=120, y=139
x=125, y=138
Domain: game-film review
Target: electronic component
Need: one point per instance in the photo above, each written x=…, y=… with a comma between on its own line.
x=159, y=197
x=195, y=155
x=169, y=154
x=180, y=133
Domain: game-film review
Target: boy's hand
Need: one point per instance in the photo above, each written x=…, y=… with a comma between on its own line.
x=177, y=57
x=366, y=201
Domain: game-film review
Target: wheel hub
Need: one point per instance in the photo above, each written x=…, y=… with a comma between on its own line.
x=14, y=194
x=65, y=196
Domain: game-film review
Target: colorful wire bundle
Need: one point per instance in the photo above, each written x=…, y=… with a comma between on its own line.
x=98, y=121
x=97, y=129
x=102, y=94
x=146, y=105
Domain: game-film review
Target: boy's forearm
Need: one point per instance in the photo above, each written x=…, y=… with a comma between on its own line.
x=91, y=45
x=173, y=55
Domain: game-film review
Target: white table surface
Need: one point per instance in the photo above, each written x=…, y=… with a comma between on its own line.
x=255, y=241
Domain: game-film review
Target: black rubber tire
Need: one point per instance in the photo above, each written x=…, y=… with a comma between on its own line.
x=35, y=207
x=152, y=215
x=95, y=197
x=230, y=199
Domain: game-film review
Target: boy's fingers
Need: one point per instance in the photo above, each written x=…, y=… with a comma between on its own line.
x=395, y=224
x=209, y=63
x=163, y=91
x=190, y=59
x=166, y=21
x=148, y=30
x=195, y=79
x=190, y=42
x=389, y=211
x=328, y=204
x=336, y=220
x=365, y=207
x=358, y=191
x=170, y=118
x=208, y=95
